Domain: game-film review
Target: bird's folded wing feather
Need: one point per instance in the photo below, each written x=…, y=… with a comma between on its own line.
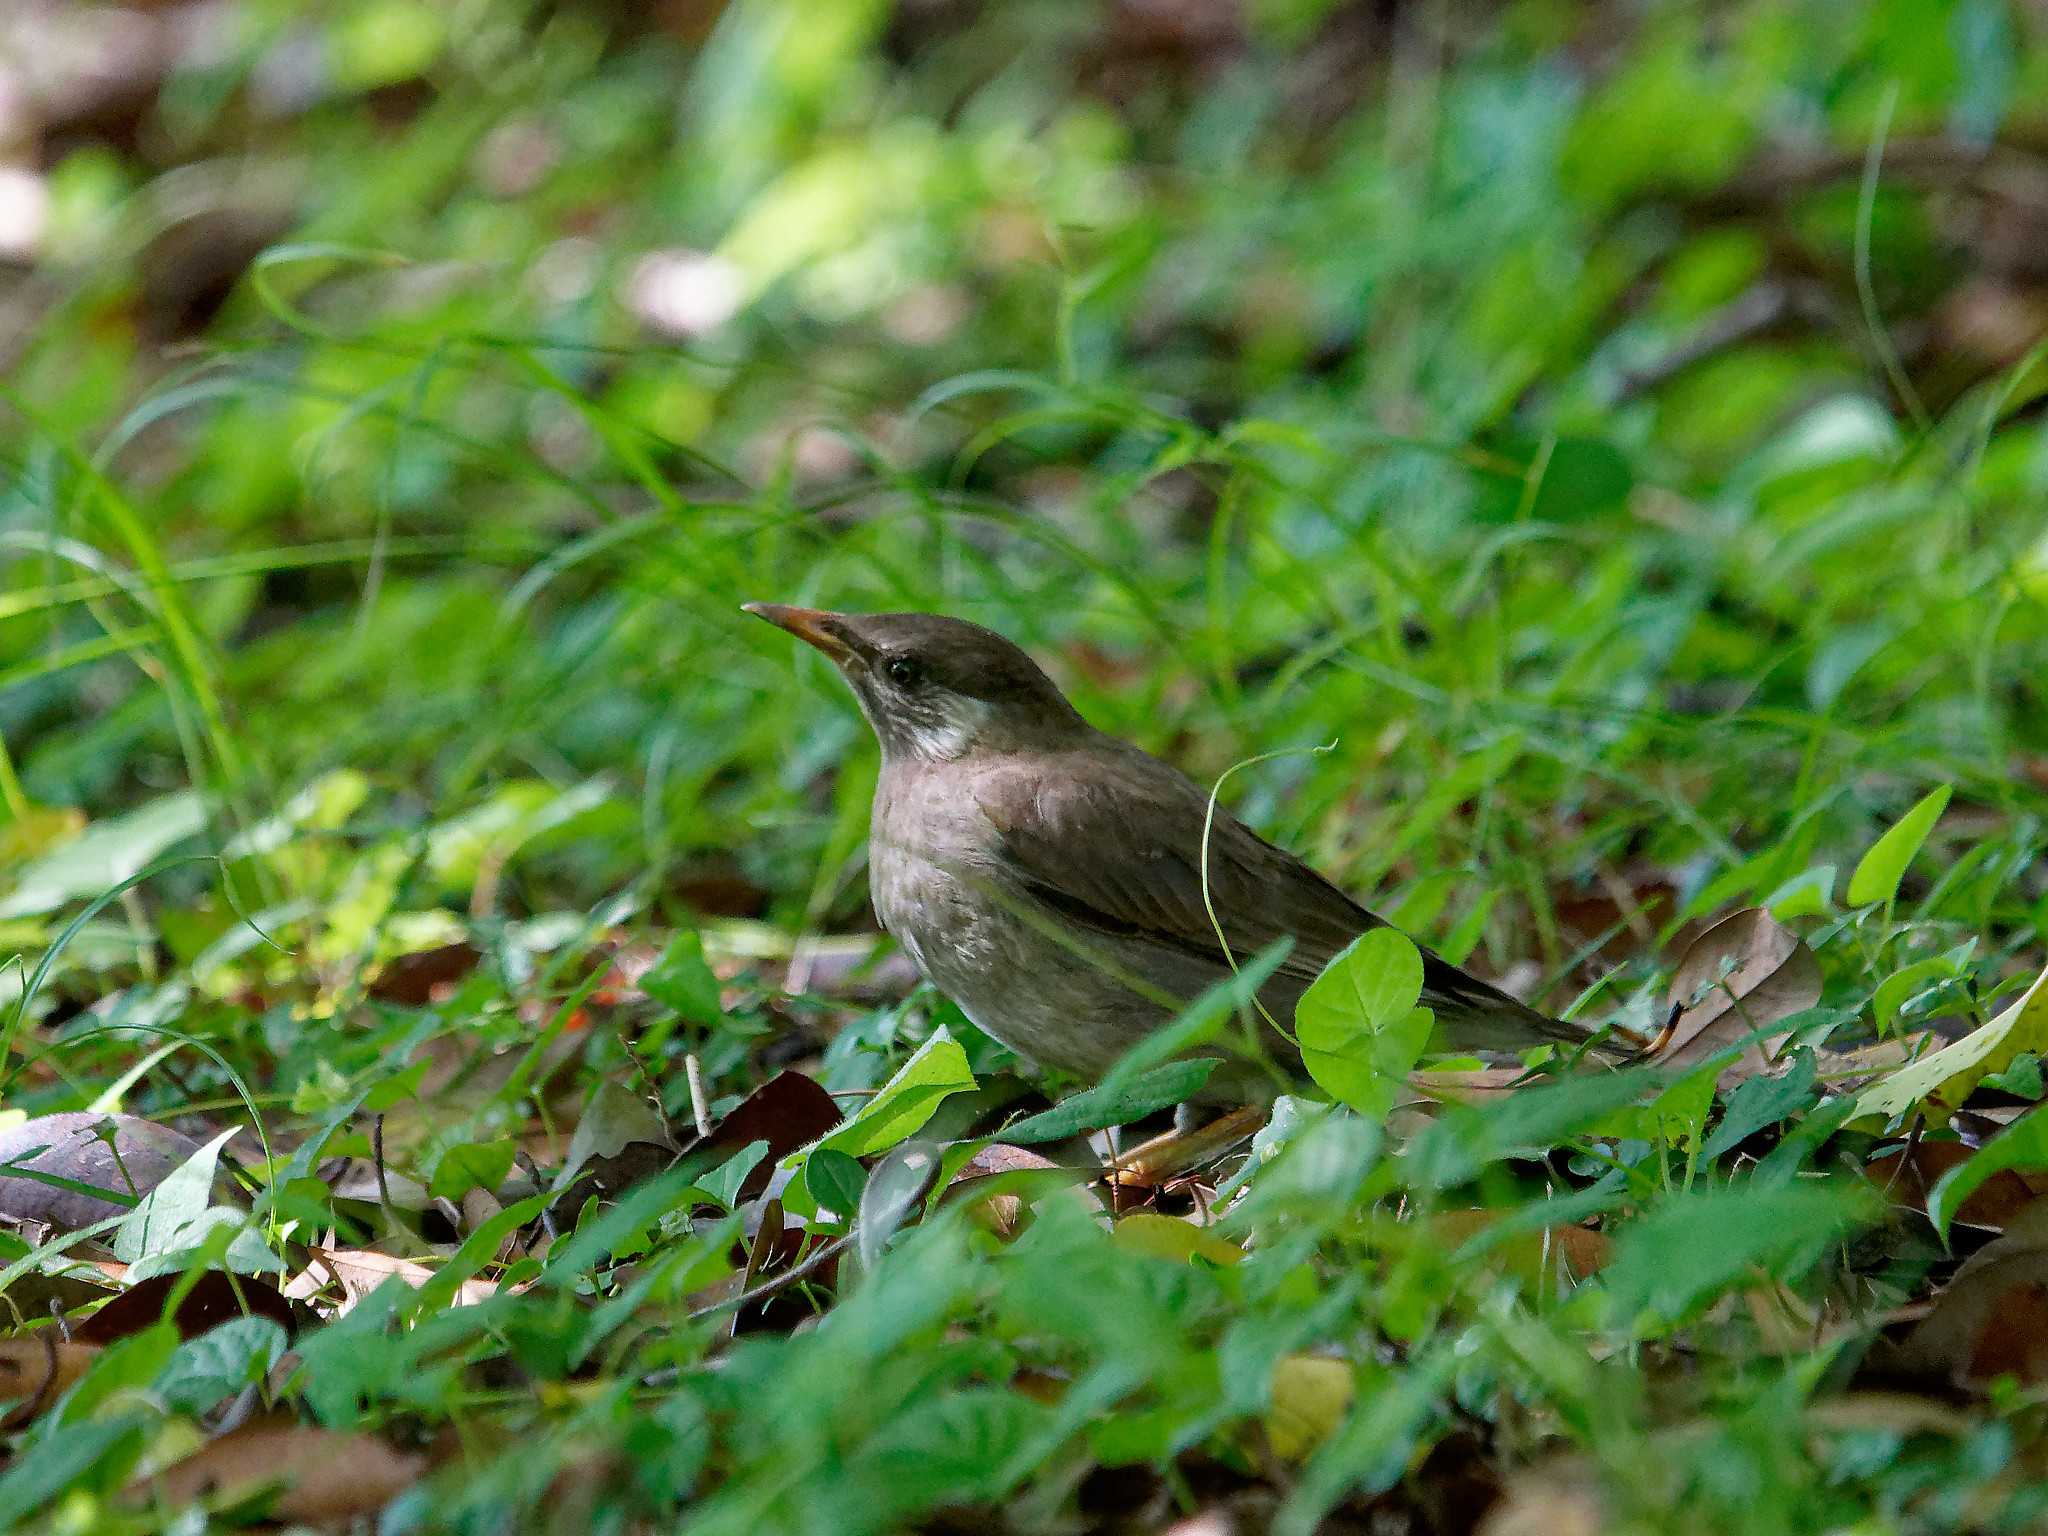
x=1118, y=847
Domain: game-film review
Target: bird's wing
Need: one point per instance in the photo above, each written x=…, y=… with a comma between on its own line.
x=1116, y=846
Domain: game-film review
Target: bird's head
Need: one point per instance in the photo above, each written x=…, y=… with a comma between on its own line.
x=933, y=687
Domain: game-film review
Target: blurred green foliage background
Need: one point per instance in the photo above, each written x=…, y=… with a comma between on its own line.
x=1617, y=428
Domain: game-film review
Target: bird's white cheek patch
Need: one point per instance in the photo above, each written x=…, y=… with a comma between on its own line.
x=952, y=729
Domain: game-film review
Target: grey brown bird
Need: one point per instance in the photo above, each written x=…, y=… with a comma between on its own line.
x=1048, y=877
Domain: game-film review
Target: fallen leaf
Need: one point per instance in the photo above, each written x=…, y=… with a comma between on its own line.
x=36, y=1370
x=1311, y=1395
x=1907, y=1175
x=417, y=979
x=75, y=1147
x=789, y=1112
x=1003, y=1213
x=1991, y=1320
x=1743, y=974
x=1169, y=1237
x=2020, y=1149
x=320, y=1476
x=213, y=1299
x=620, y=1140
x=1475, y=1085
x=1937, y=1084
x=359, y=1271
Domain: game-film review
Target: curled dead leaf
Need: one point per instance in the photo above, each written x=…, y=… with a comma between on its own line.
x=356, y=1272
x=321, y=1476
x=36, y=1370
x=1743, y=974
x=999, y=1209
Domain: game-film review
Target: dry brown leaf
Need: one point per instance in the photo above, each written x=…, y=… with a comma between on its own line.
x=322, y=1476
x=788, y=1111
x=1002, y=1214
x=359, y=1271
x=1907, y=1174
x=213, y=1299
x=74, y=1146
x=36, y=1370
x=1991, y=1320
x=1899, y=1413
x=425, y=975
x=1745, y=973
x=1480, y=1085
x=1562, y=1500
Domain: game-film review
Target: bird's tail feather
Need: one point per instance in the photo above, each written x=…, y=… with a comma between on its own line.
x=1474, y=1015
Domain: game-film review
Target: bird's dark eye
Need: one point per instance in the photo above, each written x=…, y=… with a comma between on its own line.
x=903, y=672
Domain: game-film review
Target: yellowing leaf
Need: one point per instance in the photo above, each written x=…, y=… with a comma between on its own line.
x=1311, y=1395
x=1168, y=1237
x=1938, y=1083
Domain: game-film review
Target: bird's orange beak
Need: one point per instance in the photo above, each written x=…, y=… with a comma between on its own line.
x=813, y=626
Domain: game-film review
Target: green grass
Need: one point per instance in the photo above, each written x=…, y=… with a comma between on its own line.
x=1351, y=388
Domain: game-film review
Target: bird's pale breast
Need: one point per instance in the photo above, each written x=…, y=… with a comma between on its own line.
x=940, y=887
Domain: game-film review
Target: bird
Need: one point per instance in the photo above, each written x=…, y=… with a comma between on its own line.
x=1049, y=877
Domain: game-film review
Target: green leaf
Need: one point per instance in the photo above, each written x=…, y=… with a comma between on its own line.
x=2022, y=1079
x=937, y=1071
x=1360, y=1030
x=2023, y=1144
x=206, y=1371
x=1371, y=985
x=179, y=1212
x=835, y=1180
x=1810, y=894
x=399, y=1086
x=104, y=855
x=1907, y=983
x=896, y=1187
x=1762, y=1101
x=1468, y=1137
x=1878, y=874
x=682, y=980
x=1114, y=1104
x=1368, y=1076
x=471, y=1165
x=1693, y=1247
x=1676, y=1115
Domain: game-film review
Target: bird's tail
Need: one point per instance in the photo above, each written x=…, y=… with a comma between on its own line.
x=1475, y=1015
